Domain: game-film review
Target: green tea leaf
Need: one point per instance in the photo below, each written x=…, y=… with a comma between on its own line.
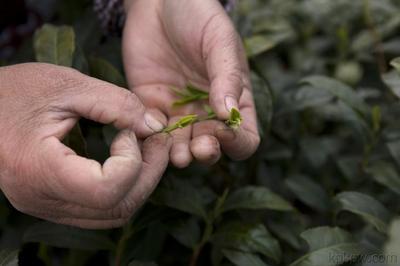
x=9, y=257
x=181, y=196
x=256, y=198
x=329, y=247
x=239, y=258
x=396, y=63
x=102, y=69
x=181, y=123
x=340, y=90
x=394, y=149
x=250, y=238
x=67, y=237
x=310, y=192
x=392, y=80
x=235, y=119
x=55, y=45
x=187, y=231
x=385, y=174
x=371, y=210
x=189, y=95
x=258, y=44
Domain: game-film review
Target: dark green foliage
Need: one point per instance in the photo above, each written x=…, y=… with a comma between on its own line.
x=324, y=186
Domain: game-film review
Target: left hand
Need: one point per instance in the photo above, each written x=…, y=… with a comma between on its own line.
x=172, y=43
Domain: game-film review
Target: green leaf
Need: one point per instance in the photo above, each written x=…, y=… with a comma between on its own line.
x=9, y=257
x=394, y=149
x=392, y=247
x=263, y=100
x=371, y=210
x=309, y=192
x=187, y=231
x=250, y=238
x=385, y=174
x=55, y=45
x=329, y=247
x=67, y=237
x=235, y=119
x=258, y=44
x=396, y=63
x=256, y=198
x=182, y=196
x=102, y=69
x=190, y=94
x=181, y=123
x=340, y=90
x=392, y=80
x=239, y=258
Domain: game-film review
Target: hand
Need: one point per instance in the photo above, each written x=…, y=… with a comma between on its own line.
x=173, y=43
x=39, y=105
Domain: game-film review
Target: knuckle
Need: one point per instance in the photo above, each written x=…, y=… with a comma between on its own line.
x=130, y=103
x=125, y=210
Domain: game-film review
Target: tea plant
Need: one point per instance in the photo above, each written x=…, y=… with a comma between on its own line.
x=322, y=190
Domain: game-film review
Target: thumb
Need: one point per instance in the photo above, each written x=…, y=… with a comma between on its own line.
x=109, y=104
x=225, y=67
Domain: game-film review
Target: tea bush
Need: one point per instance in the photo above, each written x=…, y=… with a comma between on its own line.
x=324, y=187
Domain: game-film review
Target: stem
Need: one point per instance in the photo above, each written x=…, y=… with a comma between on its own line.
x=380, y=54
x=126, y=234
x=199, y=247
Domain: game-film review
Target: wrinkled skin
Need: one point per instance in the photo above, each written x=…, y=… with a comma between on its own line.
x=39, y=104
x=172, y=43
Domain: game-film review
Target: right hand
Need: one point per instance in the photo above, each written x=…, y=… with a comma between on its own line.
x=39, y=105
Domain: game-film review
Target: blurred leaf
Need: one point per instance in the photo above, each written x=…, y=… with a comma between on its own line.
x=385, y=174
x=392, y=80
x=141, y=263
x=396, y=63
x=365, y=206
x=263, y=100
x=102, y=69
x=67, y=237
x=247, y=238
x=181, y=196
x=187, y=231
x=310, y=192
x=376, y=118
x=392, y=247
x=239, y=258
x=339, y=90
x=394, y=149
x=55, y=45
x=258, y=44
x=255, y=198
x=9, y=257
x=329, y=247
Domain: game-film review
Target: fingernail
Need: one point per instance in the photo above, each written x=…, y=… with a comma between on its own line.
x=230, y=103
x=153, y=123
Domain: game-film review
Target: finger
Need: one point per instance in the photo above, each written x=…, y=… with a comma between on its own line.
x=241, y=143
x=107, y=103
x=88, y=224
x=225, y=65
x=180, y=153
x=155, y=153
x=206, y=149
x=85, y=182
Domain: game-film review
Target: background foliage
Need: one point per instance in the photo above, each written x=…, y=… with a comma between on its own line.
x=323, y=188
